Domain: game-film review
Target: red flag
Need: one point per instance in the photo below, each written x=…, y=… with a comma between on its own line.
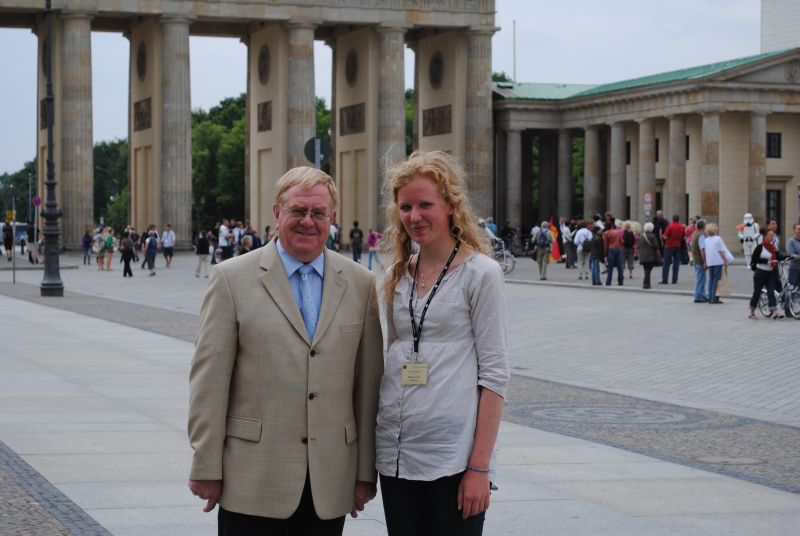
x=555, y=253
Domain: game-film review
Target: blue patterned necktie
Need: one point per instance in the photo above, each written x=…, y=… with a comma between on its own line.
x=309, y=307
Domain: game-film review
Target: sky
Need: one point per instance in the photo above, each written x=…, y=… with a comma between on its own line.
x=569, y=41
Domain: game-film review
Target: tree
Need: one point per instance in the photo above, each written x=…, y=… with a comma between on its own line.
x=110, y=177
x=18, y=181
x=501, y=77
x=324, y=127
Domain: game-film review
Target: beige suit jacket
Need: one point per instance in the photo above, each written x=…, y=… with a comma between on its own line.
x=267, y=404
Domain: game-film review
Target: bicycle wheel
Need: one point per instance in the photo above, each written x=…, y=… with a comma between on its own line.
x=510, y=263
x=763, y=303
x=793, y=305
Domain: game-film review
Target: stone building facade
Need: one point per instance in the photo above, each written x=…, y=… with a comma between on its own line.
x=717, y=140
x=452, y=41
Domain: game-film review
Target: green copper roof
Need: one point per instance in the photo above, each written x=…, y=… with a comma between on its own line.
x=512, y=90
x=533, y=91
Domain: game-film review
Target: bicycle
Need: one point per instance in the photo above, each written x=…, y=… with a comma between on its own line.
x=504, y=257
x=788, y=298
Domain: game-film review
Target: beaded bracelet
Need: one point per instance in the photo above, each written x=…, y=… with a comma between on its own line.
x=478, y=469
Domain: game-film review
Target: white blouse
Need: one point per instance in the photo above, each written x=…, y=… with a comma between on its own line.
x=425, y=432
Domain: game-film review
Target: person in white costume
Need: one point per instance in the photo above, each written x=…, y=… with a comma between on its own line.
x=749, y=236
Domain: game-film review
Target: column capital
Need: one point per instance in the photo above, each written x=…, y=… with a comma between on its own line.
x=645, y=120
x=564, y=131
x=175, y=19
x=710, y=109
x=759, y=113
x=392, y=28
x=513, y=129
x=486, y=30
x=302, y=24
x=617, y=124
x=80, y=15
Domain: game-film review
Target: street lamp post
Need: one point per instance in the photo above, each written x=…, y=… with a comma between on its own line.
x=51, y=281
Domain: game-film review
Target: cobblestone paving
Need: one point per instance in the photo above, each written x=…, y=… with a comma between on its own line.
x=757, y=451
x=741, y=447
x=31, y=506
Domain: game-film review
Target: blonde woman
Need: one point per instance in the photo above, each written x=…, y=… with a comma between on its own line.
x=717, y=259
x=446, y=372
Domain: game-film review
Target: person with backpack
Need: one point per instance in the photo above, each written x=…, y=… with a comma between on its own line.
x=110, y=245
x=99, y=247
x=629, y=245
x=356, y=241
x=544, y=243
x=126, y=249
x=150, y=250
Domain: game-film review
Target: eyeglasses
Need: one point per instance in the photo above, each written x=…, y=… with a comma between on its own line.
x=319, y=216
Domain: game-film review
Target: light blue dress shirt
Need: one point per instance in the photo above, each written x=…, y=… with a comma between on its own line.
x=292, y=267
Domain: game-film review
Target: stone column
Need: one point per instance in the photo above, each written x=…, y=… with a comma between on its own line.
x=514, y=176
x=414, y=46
x=526, y=177
x=478, y=135
x=616, y=183
x=591, y=173
x=391, y=105
x=176, y=121
x=757, y=176
x=675, y=198
x=77, y=162
x=566, y=186
x=548, y=170
x=709, y=186
x=647, y=168
x=302, y=112
x=334, y=123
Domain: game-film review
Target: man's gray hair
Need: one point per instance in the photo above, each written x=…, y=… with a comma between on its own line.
x=307, y=177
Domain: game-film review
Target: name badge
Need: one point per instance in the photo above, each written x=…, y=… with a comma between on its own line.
x=415, y=373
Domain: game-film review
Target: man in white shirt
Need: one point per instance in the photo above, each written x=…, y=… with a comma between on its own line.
x=582, y=241
x=168, y=244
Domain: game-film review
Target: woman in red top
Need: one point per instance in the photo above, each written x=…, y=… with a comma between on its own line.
x=673, y=242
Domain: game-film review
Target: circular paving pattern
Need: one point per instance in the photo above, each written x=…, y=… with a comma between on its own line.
x=635, y=416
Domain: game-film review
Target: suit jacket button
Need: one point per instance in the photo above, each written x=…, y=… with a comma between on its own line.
x=312, y=396
x=304, y=440
x=312, y=353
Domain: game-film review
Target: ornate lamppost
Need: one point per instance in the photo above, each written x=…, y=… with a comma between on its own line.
x=51, y=282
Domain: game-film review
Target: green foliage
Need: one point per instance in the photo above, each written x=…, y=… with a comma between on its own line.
x=324, y=127
x=18, y=181
x=501, y=77
x=110, y=178
x=117, y=210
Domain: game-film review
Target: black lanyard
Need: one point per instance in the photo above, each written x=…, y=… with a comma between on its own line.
x=417, y=330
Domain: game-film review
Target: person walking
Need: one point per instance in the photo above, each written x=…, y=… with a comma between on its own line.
x=629, y=243
x=649, y=252
x=596, y=254
x=168, y=244
x=202, y=249
x=697, y=247
x=793, y=250
x=544, y=243
x=373, y=238
x=8, y=241
x=356, y=241
x=446, y=377
x=127, y=250
x=717, y=258
x=673, y=244
x=86, y=246
x=583, y=241
x=150, y=250
x=110, y=246
x=615, y=252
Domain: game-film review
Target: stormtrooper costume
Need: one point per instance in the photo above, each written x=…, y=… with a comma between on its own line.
x=749, y=236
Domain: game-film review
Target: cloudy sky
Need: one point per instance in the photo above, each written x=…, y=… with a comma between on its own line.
x=570, y=41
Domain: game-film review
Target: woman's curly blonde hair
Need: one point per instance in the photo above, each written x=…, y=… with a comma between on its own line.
x=451, y=185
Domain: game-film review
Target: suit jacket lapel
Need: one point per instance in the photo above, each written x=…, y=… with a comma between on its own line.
x=333, y=288
x=277, y=284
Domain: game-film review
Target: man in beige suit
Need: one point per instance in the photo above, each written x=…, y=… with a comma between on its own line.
x=284, y=381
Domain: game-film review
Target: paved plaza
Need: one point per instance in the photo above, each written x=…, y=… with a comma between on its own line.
x=631, y=412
